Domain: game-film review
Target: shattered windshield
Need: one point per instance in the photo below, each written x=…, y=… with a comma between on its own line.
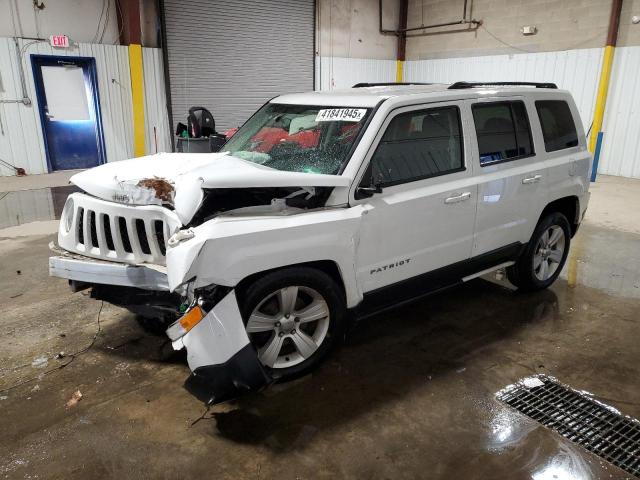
x=298, y=138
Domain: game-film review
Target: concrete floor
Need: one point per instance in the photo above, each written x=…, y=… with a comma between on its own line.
x=411, y=394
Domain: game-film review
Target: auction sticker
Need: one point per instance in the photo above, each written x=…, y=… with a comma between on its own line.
x=340, y=115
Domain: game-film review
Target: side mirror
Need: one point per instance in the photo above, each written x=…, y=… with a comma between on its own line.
x=366, y=192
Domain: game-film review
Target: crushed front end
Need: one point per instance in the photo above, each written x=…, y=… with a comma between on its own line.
x=119, y=251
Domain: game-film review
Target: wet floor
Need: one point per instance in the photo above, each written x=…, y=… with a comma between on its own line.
x=410, y=395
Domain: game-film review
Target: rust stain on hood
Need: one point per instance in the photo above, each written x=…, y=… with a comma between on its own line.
x=163, y=189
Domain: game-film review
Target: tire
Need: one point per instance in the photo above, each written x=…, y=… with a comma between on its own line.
x=545, y=255
x=276, y=309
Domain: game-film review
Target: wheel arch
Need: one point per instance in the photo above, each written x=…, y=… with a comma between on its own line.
x=330, y=267
x=569, y=206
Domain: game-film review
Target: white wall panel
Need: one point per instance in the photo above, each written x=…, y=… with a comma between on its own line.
x=620, y=153
x=21, y=140
x=340, y=72
x=573, y=70
x=157, y=131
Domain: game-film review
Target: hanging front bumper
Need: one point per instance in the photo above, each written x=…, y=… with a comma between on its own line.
x=224, y=363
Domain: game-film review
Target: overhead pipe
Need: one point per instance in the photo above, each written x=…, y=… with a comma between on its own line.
x=605, y=73
x=401, y=30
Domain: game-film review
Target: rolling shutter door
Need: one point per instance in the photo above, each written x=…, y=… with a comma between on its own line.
x=233, y=56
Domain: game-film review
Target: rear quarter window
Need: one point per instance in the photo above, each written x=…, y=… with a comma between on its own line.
x=558, y=128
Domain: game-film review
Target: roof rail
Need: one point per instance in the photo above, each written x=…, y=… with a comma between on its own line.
x=387, y=84
x=462, y=85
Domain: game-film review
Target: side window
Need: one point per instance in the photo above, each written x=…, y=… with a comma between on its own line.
x=558, y=128
x=503, y=131
x=418, y=145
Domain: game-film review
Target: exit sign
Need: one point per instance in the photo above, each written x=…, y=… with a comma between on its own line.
x=59, y=41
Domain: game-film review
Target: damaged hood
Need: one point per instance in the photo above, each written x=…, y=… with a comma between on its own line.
x=178, y=179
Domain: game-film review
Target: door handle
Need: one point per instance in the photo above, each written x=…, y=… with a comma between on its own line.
x=534, y=179
x=458, y=198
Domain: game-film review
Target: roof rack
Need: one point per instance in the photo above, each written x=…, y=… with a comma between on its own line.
x=387, y=84
x=462, y=85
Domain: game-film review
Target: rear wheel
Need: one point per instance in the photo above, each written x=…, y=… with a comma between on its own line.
x=293, y=318
x=545, y=255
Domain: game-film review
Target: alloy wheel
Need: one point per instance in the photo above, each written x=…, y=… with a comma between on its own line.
x=288, y=326
x=549, y=252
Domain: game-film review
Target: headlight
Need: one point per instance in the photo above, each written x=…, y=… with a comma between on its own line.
x=67, y=215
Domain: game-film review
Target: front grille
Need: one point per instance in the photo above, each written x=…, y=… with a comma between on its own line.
x=119, y=232
x=595, y=426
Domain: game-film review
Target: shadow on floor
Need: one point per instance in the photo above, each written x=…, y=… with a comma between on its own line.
x=385, y=359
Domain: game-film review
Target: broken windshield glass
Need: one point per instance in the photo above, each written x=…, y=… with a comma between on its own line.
x=298, y=138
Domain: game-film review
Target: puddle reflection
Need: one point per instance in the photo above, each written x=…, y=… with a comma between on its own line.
x=26, y=206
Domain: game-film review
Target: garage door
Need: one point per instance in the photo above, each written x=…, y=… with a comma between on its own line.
x=232, y=56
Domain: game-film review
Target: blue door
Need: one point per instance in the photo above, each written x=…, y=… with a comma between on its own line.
x=69, y=107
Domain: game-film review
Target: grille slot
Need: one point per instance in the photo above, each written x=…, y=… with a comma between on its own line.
x=93, y=229
x=124, y=235
x=81, y=225
x=106, y=226
x=141, y=231
x=579, y=418
x=158, y=227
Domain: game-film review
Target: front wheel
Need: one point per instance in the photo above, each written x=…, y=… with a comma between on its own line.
x=293, y=318
x=545, y=255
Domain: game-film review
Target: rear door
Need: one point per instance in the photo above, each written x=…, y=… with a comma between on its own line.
x=511, y=176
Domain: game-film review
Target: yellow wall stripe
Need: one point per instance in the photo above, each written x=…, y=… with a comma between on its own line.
x=137, y=97
x=399, y=70
x=601, y=99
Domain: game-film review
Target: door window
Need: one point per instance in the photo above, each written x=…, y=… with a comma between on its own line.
x=417, y=145
x=66, y=93
x=503, y=131
x=558, y=128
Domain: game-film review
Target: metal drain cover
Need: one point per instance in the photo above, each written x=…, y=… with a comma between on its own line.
x=599, y=428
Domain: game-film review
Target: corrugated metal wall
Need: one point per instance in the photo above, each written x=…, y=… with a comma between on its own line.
x=21, y=141
x=621, y=143
x=232, y=56
x=340, y=72
x=574, y=70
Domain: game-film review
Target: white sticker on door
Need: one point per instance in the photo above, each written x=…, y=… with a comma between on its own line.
x=340, y=115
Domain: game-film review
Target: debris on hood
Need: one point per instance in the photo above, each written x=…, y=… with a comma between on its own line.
x=163, y=189
x=75, y=398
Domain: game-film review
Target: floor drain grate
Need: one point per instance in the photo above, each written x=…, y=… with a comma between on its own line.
x=597, y=427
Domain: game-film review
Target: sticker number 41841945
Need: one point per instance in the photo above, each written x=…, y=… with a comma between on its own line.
x=340, y=115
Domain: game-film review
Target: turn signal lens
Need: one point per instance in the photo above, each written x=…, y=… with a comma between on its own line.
x=191, y=318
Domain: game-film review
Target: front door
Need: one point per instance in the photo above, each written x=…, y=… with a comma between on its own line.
x=67, y=96
x=423, y=218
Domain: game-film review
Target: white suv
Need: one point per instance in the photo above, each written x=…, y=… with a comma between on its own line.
x=326, y=203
